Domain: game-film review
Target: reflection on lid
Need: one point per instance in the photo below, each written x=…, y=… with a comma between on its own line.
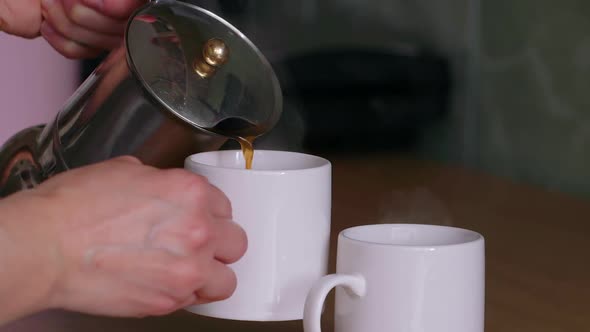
x=181, y=55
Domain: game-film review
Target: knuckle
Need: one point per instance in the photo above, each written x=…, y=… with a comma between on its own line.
x=127, y=159
x=78, y=14
x=187, y=182
x=97, y=260
x=196, y=184
x=201, y=236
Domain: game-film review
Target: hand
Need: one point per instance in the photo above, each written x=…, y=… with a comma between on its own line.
x=75, y=28
x=124, y=239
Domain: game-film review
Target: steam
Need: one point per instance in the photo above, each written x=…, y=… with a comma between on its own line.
x=289, y=132
x=419, y=206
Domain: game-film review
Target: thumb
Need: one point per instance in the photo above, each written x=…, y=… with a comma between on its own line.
x=120, y=9
x=20, y=17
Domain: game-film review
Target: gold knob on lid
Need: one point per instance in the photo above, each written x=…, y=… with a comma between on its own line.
x=215, y=52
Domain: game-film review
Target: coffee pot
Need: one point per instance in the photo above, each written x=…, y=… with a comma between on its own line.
x=183, y=81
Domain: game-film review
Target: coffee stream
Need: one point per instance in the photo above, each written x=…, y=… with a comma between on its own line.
x=244, y=132
x=247, y=144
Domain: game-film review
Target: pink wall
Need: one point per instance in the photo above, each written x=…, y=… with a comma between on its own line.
x=34, y=82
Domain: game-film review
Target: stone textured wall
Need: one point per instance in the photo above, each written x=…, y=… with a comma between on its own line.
x=534, y=71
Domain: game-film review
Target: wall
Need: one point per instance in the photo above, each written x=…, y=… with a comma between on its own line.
x=34, y=82
x=534, y=120
x=446, y=27
x=521, y=74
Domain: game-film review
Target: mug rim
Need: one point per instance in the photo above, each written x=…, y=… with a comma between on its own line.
x=322, y=162
x=475, y=236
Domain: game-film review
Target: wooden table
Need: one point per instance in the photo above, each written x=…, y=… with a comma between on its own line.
x=537, y=246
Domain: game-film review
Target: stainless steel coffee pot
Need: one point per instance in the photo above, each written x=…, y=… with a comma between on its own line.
x=184, y=81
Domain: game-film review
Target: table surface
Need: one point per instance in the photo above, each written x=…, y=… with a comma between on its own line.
x=537, y=255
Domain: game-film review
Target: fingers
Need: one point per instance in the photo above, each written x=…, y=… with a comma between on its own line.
x=219, y=203
x=119, y=298
x=115, y=8
x=232, y=242
x=128, y=159
x=140, y=301
x=174, y=277
x=81, y=29
x=55, y=15
x=230, y=245
x=182, y=238
x=92, y=19
x=220, y=286
x=194, y=190
x=223, y=239
x=210, y=221
x=21, y=18
x=75, y=28
x=68, y=48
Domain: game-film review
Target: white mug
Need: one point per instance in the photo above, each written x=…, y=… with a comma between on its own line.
x=404, y=278
x=284, y=205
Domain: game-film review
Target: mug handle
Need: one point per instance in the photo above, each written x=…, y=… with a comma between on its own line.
x=314, y=303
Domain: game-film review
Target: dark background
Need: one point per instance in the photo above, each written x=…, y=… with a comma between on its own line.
x=345, y=98
x=498, y=86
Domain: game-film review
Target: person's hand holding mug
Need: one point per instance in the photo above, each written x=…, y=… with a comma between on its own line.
x=117, y=238
x=284, y=205
x=75, y=28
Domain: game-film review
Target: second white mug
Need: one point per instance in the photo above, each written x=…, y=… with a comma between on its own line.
x=404, y=278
